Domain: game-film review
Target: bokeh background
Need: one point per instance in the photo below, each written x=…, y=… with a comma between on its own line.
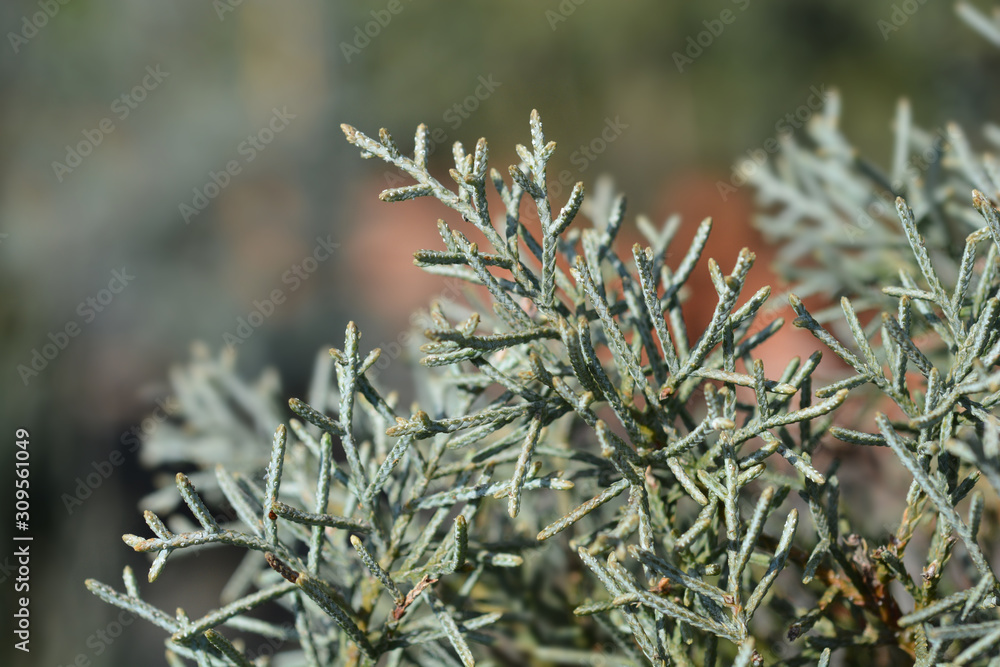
x=114, y=116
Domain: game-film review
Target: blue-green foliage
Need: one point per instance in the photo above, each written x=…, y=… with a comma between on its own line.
x=588, y=480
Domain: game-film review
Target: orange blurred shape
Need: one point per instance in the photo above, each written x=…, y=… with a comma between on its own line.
x=393, y=287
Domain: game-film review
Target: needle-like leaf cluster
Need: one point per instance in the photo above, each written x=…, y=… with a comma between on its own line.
x=583, y=470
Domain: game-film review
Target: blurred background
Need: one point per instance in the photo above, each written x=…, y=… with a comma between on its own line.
x=166, y=167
